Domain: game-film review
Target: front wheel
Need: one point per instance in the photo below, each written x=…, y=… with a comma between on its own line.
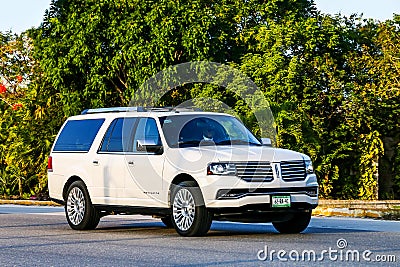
x=80, y=213
x=190, y=217
x=298, y=223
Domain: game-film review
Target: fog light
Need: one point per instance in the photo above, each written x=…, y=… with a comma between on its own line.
x=230, y=194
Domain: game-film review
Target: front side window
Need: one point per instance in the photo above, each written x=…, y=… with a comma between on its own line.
x=118, y=137
x=78, y=135
x=146, y=135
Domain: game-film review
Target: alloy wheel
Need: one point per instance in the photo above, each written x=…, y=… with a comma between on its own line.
x=76, y=206
x=184, y=209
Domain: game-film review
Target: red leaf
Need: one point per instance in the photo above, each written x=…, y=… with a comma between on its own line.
x=3, y=89
x=16, y=106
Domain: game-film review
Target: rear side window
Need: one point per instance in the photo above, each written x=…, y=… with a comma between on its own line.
x=78, y=135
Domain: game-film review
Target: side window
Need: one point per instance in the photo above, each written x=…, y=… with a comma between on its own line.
x=118, y=137
x=78, y=135
x=146, y=132
x=106, y=138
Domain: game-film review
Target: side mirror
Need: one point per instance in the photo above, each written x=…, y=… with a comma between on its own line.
x=266, y=142
x=149, y=145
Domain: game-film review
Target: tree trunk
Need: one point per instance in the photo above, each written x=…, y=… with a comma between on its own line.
x=20, y=187
x=386, y=164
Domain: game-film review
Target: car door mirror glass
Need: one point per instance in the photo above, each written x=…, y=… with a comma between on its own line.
x=148, y=145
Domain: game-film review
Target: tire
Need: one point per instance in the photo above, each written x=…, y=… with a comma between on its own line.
x=190, y=217
x=167, y=220
x=297, y=224
x=80, y=213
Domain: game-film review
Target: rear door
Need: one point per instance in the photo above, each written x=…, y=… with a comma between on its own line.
x=110, y=164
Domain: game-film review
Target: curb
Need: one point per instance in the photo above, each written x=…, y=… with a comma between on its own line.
x=376, y=209
x=28, y=202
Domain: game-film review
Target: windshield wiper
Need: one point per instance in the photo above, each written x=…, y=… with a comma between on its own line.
x=189, y=142
x=236, y=142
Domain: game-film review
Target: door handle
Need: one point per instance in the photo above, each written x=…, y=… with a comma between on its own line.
x=131, y=163
x=96, y=163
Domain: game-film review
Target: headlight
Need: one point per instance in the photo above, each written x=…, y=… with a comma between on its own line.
x=309, y=166
x=221, y=169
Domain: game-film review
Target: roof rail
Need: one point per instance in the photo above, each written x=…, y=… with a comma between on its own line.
x=173, y=109
x=160, y=109
x=183, y=109
x=139, y=109
x=114, y=109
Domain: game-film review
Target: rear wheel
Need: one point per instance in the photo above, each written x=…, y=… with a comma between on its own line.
x=190, y=217
x=298, y=223
x=80, y=213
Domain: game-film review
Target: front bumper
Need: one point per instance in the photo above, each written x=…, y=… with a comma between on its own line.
x=231, y=192
x=309, y=201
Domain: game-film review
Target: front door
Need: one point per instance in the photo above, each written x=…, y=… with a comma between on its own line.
x=143, y=184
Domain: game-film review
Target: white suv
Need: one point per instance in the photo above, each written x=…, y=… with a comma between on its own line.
x=185, y=167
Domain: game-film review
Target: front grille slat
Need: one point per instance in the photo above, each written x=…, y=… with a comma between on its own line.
x=254, y=171
x=293, y=170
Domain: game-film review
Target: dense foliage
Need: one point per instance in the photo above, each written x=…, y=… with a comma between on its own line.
x=26, y=130
x=332, y=82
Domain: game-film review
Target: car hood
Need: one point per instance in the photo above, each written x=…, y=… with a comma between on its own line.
x=207, y=154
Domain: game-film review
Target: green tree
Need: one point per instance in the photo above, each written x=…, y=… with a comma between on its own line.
x=99, y=53
x=300, y=62
x=26, y=133
x=374, y=99
x=331, y=81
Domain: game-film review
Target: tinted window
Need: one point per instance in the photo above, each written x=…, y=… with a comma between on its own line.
x=106, y=137
x=78, y=135
x=118, y=137
x=146, y=131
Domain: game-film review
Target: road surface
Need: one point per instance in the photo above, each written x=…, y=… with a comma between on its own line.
x=40, y=236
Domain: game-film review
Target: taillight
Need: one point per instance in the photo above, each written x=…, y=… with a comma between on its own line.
x=50, y=164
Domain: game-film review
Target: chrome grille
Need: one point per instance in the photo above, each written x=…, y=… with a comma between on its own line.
x=293, y=170
x=254, y=171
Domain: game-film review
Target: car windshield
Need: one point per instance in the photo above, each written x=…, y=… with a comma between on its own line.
x=195, y=130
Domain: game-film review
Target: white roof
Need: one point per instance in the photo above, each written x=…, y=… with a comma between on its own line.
x=139, y=112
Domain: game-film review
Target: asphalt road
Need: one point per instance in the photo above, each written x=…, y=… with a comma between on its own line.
x=40, y=236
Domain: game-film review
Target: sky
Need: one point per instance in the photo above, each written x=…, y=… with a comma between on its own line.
x=376, y=9
x=20, y=15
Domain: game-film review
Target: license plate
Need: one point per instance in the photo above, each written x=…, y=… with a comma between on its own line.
x=280, y=201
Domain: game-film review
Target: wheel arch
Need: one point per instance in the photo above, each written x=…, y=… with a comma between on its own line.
x=68, y=184
x=182, y=177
